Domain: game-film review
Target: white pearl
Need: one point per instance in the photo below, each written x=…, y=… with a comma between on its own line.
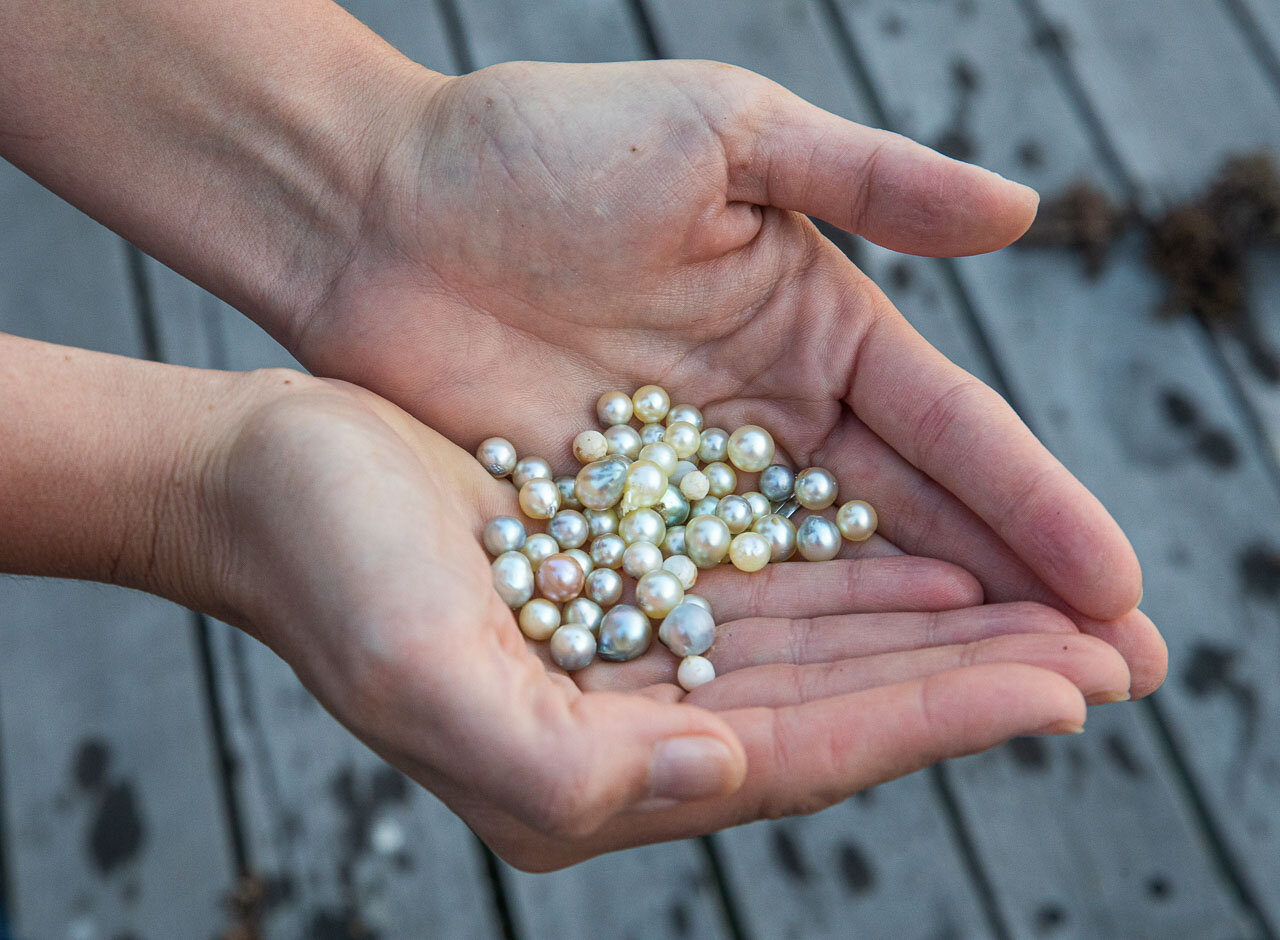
x=682, y=470
x=695, y=485
x=599, y=484
x=497, y=455
x=721, y=478
x=687, y=414
x=604, y=586
x=706, y=539
x=658, y=592
x=652, y=432
x=759, y=505
x=713, y=444
x=673, y=541
x=539, y=499
x=750, y=551
x=512, y=578
x=601, y=521
x=573, y=647
x=625, y=633
x=815, y=488
x=530, y=468
x=503, y=534
x=539, y=618
x=698, y=600
x=560, y=578
x=673, y=507
x=568, y=497
x=538, y=548
x=663, y=455
x=568, y=527
x=651, y=403
x=640, y=558
x=751, y=448
x=590, y=445
x=644, y=486
x=736, y=513
x=703, y=507
x=643, y=525
x=856, y=520
x=818, y=539
x=694, y=671
x=585, y=612
x=780, y=533
x=623, y=439
x=606, y=551
x=777, y=483
x=614, y=408
x=582, y=558
x=686, y=571
x=688, y=630
x=683, y=438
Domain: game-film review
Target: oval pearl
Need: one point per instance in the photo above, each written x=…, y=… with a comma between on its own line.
x=713, y=444
x=688, y=630
x=683, y=438
x=817, y=539
x=539, y=618
x=573, y=647
x=750, y=551
x=645, y=484
x=736, y=513
x=497, y=455
x=512, y=578
x=538, y=548
x=706, y=539
x=686, y=414
x=673, y=507
x=652, y=433
x=599, y=484
x=643, y=525
x=857, y=520
x=560, y=578
x=721, y=479
x=601, y=521
x=673, y=541
x=694, y=671
x=760, y=506
x=777, y=483
x=623, y=439
x=530, y=468
x=584, y=612
x=695, y=485
x=780, y=534
x=614, y=408
x=651, y=403
x=606, y=551
x=568, y=527
x=815, y=488
x=704, y=507
x=640, y=558
x=751, y=448
x=583, y=559
x=604, y=586
x=663, y=455
x=568, y=498
x=682, y=470
x=590, y=446
x=698, y=600
x=658, y=593
x=625, y=633
x=686, y=571
x=539, y=499
x=503, y=534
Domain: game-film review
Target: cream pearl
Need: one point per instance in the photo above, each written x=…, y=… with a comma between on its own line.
x=606, y=551
x=750, y=551
x=751, y=448
x=686, y=571
x=683, y=438
x=704, y=507
x=539, y=618
x=686, y=414
x=589, y=446
x=604, y=586
x=560, y=578
x=539, y=499
x=600, y=522
x=652, y=432
x=673, y=541
x=688, y=630
x=530, y=468
x=651, y=403
x=662, y=454
x=497, y=455
x=640, y=558
x=815, y=488
x=623, y=439
x=698, y=600
x=568, y=498
x=569, y=528
x=695, y=485
x=706, y=539
x=625, y=633
x=643, y=525
x=760, y=506
x=682, y=470
x=817, y=539
x=599, y=485
x=658, y=592
x=777, y=483
x=538, y=548
x=695, y=671
x=583, y=559
x=673, y=507
x=713, y=444
x=503, y=534
x=780, y=533
x=857, y=520
x=573, y=647
x=512, y=578
x=613, y=408
x=584, y=612
x=645, y=484
x=721, y=479
x=736, y=513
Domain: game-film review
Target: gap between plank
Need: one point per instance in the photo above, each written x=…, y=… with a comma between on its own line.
x=1255, y=39
x=729, y=905
x=455, y=37
x=6, y=890
x=941, y=781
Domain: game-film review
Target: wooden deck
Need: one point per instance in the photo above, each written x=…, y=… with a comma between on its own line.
x=164, y=776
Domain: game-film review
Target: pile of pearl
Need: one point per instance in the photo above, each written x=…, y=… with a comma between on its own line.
x=658, y=504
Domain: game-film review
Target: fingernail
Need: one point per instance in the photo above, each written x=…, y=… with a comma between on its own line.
x=689, y=768
x=1115, y=697
x=1066, y=726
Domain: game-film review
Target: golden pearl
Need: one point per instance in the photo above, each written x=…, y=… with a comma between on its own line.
x=751, y=448
x=644, y=486
x=815, y=488
x=539, y=499
x=857, y=520
x=613, y=408
x=750, y=551
x=683, y=438
x=663, y=454
x=651, y=403
x=643, y=525
x=539, y=618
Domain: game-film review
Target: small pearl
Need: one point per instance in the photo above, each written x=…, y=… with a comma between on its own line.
x=721, y=479
x=643, y=525
x=573, y=647
x=568, y=497
x=856, y=520
x=750, y=551
x=815, y=488
x=688, y=630
x=568, y=527
x=780, y=533
x=673, y=507
x=695, y=485
x=706, y=539
x=751, y=448
x=503, y=534
x=644, y=487
x=606, y=551
x=658, y=592
x=583, y=559
x=686, y=571
x=625, y=633
x=512, y=578
x=539, y=499
x=736, y=513
x=699, y=601
x=604, y=586
x=614, y=408
x=713, y=445
x=599, y=484
x=651, y=403
x=777, y=483
x=589, y=446
x=683, y=438
x=640, y=558
x=704, y=507
x=687, y=414
x=538, y=548
x=663, y=455
x=818, y=539
x=694, y=671
x=539, y=618
x=601, y=521
x=652, y=432
x=585, y=612
x=760, y=506
x=673, y=541
x=530, y=468
x=682, y=470
x=497, y=455
x=560, y=578
x=624, y=439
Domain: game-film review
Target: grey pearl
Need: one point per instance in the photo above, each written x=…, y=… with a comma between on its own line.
x=818, y=539
x=503, y=534
x=568, y=498
x=513, y=578
x=625, y=633
x=568, y=527
x=497, y=455
x=604, y=586
x=686, y=413
x=652, y=433
x=584, y=612
x=530, y=468
x=688, y=630
x=607, y=550
x=624, y=439
x=599, y=484
x=780, y=534
x=713, y=445
x=736, y=513
x=601, y=521
x=573, y=647
x=704, y=507
x=673, y=542
x=777, y=483
x=673, y=507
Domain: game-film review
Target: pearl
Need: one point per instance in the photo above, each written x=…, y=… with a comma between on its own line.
x=538, y=548
x=604, y=586
x=815, y=488
x=530, y=468
x=706, y=539
x=600, y=521
x=640, y=558
x=568, y=527
x=652, y=432
x=623, y=439
x=780, y=533
x=721, y=479
x=777, y=483
x=625, y=633
x=686, y=414
x=539, y=618
x=818, y=539
x=643, y=525
x=573, y=647
x=599, y=484
x=497, y=455
x=704, y=507
x=658, y=593
x=512, y=578
x=539, y=499
x=673, y=507
x=589, y=446
x=695, y=485
x=699, y=601
x=750, y=551
x=694, y=671
x=651, y=403
x=568, y=498
x=503, y=534
x=673, y=542
x=583, y=559
x=688, y=630
x=645, y=484
x=614, y=408
x=606, y=551
x=856, y=520
x=682, y=470
x=585, y=612
x=713, y=445
x=560, y=578
x=683, y=438
x=686, y=571
x=663, y=455
x=760, y=506
x=736, y=513
x=751, y=448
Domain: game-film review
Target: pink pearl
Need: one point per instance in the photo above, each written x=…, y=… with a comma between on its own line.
x=560, y=578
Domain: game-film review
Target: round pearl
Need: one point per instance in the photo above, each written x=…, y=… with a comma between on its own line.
x=623, y=439
x=644, y=487
x=703, y=507
x=777, y=483
x=606, y=551
x=604, y=586
x=695, y=485
x=651, y=403
x=503, y=534
x=673, y=541
x=673, y=507
x=560, y=578
x=643, y=525
x=780, y=533
x=614, y=408
x=683, y=438
x=713, y=444
x=497, y=455
x=699, y=601
x=815, y=488
x=625, y=633
x=751, y=448
x=512, y=578
x=568, y=498
x=538, y=548
x=590, y=445
x=530, y=468
x=600, y=522
x=682, y=470
x=750, y=551
x=686, y=414
x=736, y=513
x=688, y=630
x=694, y=671
x=760, y=506
x=652, y=433
x=583, y=559
x=539, y=618
x=568, y=527
x=658, y=592
x=663, y=455
x=573, y=647
x=539, y=499
x=706, y=539
x=721, y=479
x=585, y=612
x=818, y=539
x=857, y=520
x=640, y=558
x=686, y=571
x=599, y=485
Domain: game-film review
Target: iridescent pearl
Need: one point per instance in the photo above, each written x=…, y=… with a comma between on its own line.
x=698, y=600
x=585, y=612
x=686, y=571
x=750, y=551
x=643, y=525
x=539, y=499
x=777, y=483
x=513, y=578
x=706, y=539
x=538, y=548
x=600, y=521
x=583, y=559
x=573, y=647
x=604, y=586
x=652, y=433
x=568, y=498
x=684, y=438
x=503, y=534
x=815, y=488
x=856, y=520
x=721, y=479
x=625, y=633
x=497, y=455
x=568, y=527
x=623, y=439
x=614, y=408
x=760, y=506
x=599, y=484
x=695, y=485
x=560, y=578
x=539, y=618
x=704, y=507
x=658, y=592
x=590, y=445
x=817, y=539
x=694, y=671
x=688, y=630
x=736, y=513
x=663, y=455
x=780, y=533
x=651, y=403
x=645, y=484
x=751, y=448
x=640, y=558
x=530, y=468
x=606, y=551
x=687, y=414
x=673, y=542
x=682, y=470
x=713, y=444
x=673, y=507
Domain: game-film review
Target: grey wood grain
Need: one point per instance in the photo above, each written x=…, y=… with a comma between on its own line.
x=112, y=811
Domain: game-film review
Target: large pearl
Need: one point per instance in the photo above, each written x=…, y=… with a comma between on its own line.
x=751, y=448
x=688, y=630
x=599, y=484
x=539, y=499
x=815, y=489
x=624, y=439
x=694, y=671
x=573, y=647
x=568, y=527
x=589, y=446
x=736, y=513
x=683, y=438
x=673, y=541
x=497, y=455
x=663, y=455
x=695, y=485
x=706, y=539
x=759, y=505
x=652, y=432
x=614, y=408
x=530, y=468
x=856, y=520
x=625, y=633
x=777, y=483
x=651, y=403
x=750, y=551
x=644, y=486
x=658, y=592
x=539, y=618
x=512, y=578
x=601, y=521
x=721, y=479
x=538, y=548
x=673, y=507
x=643, y=525
x=606, y=551
x=568, y=498
x=503, y=534
x=583, y=559
x=818, y=539
x=713, y=444
x=560, y=578
x=583, y=611
x=698, y=600
x=686, y=414
x=640, y=558
x=686, y=571
x=780, y=533
x=604, y=586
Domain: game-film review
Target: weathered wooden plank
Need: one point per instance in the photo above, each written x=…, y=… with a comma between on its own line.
x=112, y=811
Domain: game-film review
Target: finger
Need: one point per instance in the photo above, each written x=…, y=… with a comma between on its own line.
x=1139, y=642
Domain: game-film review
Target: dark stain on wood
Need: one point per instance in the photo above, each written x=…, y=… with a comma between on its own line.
x=1217, y=448
x=1117, y=750
x=90, y=765
x=1213, y=445
x=1180, y=410
x=1049, y=917
x=1029, y=753
x=900, y=275
x=1260, y=571
x=855, y=869
x=1030, y=154
x=117, y=833
x=956, y=140
x=789, y=855
x=1052, y=38
x=338, y=925
x=891, y=24
x=678, y=918
x=1211, y=671
x=1159, y=888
